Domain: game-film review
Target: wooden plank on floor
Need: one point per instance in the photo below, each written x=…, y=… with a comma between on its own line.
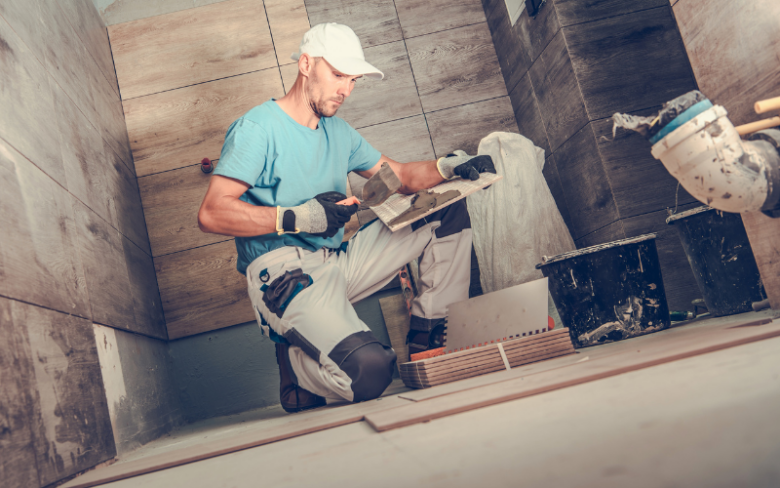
x=297, y=425
x=201, y=290
x=659, y=348
x=179, y=128
x=288, y=21
x=764, y=235
x=171, y=201
x=192, y=46
x=456, y=67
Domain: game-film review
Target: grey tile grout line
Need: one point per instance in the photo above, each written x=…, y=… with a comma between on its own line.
x=191, y=248
x=276, y=54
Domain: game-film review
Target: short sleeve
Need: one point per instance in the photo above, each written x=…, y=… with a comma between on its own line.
x=363, y=156
x=244, y=153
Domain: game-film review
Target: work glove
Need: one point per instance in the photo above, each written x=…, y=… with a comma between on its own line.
x=467, y=167
x=319, y=216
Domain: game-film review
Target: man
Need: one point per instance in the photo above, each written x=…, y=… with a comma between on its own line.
x=278, y=187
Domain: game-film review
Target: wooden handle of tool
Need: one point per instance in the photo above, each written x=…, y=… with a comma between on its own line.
x=767, y=105
x=756, y=126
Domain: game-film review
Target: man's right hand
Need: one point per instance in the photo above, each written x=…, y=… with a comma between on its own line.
x=321, y=216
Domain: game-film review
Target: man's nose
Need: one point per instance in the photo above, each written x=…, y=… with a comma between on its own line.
x=345, y=88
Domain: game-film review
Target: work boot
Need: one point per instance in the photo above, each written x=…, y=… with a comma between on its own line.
x=422, y=340
x=293, y=397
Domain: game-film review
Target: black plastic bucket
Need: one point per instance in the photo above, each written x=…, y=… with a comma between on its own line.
x=609, y=292
x=721, y=258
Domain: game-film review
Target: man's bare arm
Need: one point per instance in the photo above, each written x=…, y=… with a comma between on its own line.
x=414, y=176
x=223, y=213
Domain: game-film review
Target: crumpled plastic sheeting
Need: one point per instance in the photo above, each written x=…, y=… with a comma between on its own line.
x=516, y=221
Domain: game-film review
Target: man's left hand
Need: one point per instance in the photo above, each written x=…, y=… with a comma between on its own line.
x=467, y=167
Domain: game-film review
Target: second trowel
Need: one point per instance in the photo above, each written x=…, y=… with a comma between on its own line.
x=379, y=187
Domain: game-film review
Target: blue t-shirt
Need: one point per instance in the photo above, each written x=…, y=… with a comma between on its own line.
x=285, y=164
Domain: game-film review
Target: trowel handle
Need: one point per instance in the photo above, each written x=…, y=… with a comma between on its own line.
x=353, y=200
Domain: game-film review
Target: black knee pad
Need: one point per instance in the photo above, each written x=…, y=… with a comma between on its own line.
x=371, y=369
x=454, y=218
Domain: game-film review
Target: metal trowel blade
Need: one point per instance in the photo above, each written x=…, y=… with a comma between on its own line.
x=380, y=187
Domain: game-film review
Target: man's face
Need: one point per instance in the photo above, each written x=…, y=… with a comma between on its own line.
x=328, y=88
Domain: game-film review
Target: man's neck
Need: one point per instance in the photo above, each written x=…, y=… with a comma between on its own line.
x=295, y=105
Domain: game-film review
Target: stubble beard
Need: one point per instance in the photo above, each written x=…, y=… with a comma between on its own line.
x=319, y=107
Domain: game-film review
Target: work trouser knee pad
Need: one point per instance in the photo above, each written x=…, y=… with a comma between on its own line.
x=371, y=369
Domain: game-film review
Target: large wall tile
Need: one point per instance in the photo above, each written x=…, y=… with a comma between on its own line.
x=529, y=119
x=39, y=250
x=513, y=56
x=127, y=211
x=463, y=127
x=26, y=99
x=192, y=46
x=550, y=173
x=289, y=75
x=581, y=11
x=86, y=21
x=18, y=397
x=679, y=283
x=374, y=21
x=415, y=15
x=201, y=290
x=403, y=140
x=394, y=97
x=103, y=255
x=147, y=306
x=76, y=428
x=288, y=21
x=608, y=233
x=640, y=183
x=733, y=48
x=559, y=98
x=114, y=12
x=585, y=184
x=25, y=19
x=629, y=62
x=438, y=62
x=177, y=128
x=171, y=202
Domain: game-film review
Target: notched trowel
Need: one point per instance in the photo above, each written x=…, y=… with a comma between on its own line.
x=379, y=187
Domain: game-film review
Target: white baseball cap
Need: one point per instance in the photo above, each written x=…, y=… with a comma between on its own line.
x=340, y=47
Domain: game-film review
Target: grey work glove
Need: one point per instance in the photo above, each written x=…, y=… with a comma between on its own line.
x=319, y=216
x=467, y=167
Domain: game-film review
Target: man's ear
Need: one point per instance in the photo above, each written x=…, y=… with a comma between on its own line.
x=305, y=64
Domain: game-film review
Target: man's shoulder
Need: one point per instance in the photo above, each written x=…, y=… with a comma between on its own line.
x=260, y=114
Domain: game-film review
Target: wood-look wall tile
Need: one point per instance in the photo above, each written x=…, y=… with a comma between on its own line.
x=85, y=20
x=415, y=15
x=18, y=398
x=581, y=11
x=550, y=173
x=629, y=62
x=147, y=306
x=191, y=46
x=640, y=183
x=455, y=67
x=732, y=74
x=171, y=201
x=394, y=97
x=178, y=128
x=608, y=233
x=585, y=184
x=529, y=119
x=76, y=428
x=39, y=250
x=25, y=19
x=289, y=75
x=125, y=199
x=558, y=96
x=374, y=21
x=403, y=140
x=679, y=282
x=103, y=255
x=288, y=21
x=121, y=12
x=27, y=102
x=463, y=127
x=201, y=290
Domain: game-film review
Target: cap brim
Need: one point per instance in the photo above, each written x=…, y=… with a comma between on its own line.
x=350, y=66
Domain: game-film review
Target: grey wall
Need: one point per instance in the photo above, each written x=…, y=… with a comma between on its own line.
x=567, y=71
x=74, y=250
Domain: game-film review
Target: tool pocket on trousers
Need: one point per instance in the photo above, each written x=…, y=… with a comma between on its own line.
x=278, y=295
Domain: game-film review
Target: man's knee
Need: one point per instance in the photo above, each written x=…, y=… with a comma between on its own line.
x=371, y=369
x=454, y=218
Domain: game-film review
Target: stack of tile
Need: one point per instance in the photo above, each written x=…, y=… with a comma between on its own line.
x=438, y=370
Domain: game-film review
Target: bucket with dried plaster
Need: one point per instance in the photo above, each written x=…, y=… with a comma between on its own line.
x=609, y=292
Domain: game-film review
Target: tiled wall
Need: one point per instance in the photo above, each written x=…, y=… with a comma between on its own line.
x=568, y=70
x=74, y=249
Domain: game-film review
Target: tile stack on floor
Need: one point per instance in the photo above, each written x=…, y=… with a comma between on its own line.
x=460, y=365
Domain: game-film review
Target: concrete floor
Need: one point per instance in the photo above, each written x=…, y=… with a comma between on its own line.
x=707, y=421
